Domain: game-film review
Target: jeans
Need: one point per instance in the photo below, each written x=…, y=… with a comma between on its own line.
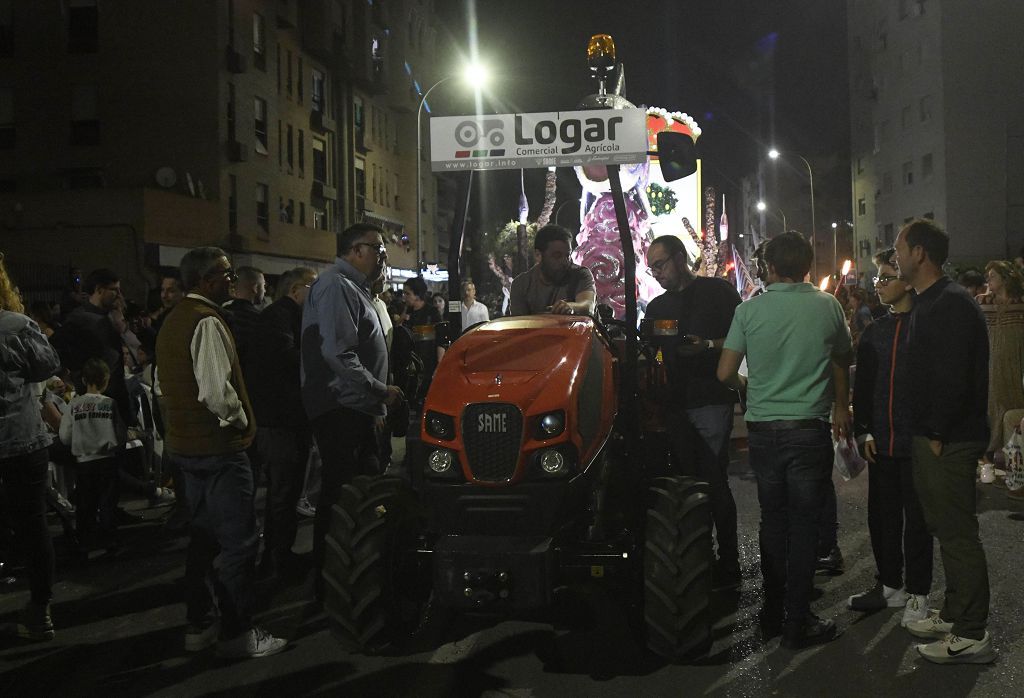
x=898, y=531
x=793, y=469
x=24, y=477
x=347, y=440
x=828, y=524
x=945, y=486
x=220, y=498
x=284, y=453
x=699, y=439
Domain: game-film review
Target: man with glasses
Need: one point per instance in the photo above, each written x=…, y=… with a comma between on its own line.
x=689, y=323
x=554, y=284
x=345, y=387
x=881, y=409
x=209, y=424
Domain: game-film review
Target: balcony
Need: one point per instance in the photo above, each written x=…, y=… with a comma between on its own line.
x=321, y=122
x=321, y=192
x=237, y=152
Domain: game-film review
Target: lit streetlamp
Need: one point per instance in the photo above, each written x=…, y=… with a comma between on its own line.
x=774, y=155
x=762, y=207
x=476, y=76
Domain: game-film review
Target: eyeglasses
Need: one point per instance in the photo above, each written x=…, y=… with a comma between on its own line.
x=883, y=280
x=656, y=267
x=232, y=277
x=381, y=250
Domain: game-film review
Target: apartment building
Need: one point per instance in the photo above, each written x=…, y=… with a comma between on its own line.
x=937, y=121
x=144, y=129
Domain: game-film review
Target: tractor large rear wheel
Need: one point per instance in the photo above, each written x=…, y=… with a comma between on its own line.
x=376, y=587
x=677, y=568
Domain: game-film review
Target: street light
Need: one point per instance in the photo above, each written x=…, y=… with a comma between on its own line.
x=762, y=207
x=774, y=155
x=835, y=244
x=475, y=75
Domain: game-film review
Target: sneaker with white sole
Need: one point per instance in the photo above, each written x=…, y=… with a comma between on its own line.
x=915, y=610
x=255, y=642
x=199, y=636
x=954, y=649
x=305, y=508
x=876, y=598
x=932, y=627
x=34, y=623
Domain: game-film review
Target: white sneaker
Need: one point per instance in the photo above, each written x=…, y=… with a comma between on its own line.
x=305, y=508
x=931, y=627
x=876, y=598
x=915, y=610
x=255, y=642
x=959, y=650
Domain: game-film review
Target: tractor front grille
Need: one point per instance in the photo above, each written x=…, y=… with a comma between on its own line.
x=493, y=433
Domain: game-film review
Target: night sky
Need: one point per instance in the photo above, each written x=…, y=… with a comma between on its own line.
x=703, y=57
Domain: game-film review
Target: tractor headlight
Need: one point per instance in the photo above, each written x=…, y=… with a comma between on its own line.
x=551, y=424
x=552, y=461
x=440, y=426
x=440, y=461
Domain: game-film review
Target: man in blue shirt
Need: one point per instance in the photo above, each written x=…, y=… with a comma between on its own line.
x=345, y=369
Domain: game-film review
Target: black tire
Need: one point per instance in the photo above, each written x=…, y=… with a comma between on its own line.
x=677, y=568
x=376, y=587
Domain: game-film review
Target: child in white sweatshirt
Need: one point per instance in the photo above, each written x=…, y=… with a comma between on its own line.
x=96, y=434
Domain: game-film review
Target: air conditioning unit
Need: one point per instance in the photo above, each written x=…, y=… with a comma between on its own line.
x=237, y=152
x=235, y=61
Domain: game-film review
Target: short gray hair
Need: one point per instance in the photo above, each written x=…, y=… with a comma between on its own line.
x=249, y=275
x=298, y=275
x=197, y=263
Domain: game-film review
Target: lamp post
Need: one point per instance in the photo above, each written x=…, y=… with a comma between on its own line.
x=475, y=75
x=774, y=155
x=835, y=244
x=762, y=207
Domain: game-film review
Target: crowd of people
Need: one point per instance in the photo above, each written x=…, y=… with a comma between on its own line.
x=216, y=389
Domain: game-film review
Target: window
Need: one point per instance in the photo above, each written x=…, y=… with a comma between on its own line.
x=386, y=186
x=908, y=174
x=262, y=211
x=85, y=124
x=906, y=117
x=231, y=112
x=887, y=183
x=290, y=210
x=302, y=153
x=319, y=94
x=288, y=76
x=397, y=207
x=83, y=26
x=259, y=48
x=302, y=213
x=386, y=131
x=280, y=145
x=259, y=109
x=319, y=160
x=925, y=108
x=860, y=165
x=279, y=69
x=298, y=87
x=232, y=204
x=375, y=188
x=6, y=118
x=291, y=147
x=927, y=166
x=319, y=219
x=6, y=28
x=862, y=207
x=360, y=184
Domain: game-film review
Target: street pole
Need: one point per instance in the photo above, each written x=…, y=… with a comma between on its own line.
x=419, y=171
x=774, y=154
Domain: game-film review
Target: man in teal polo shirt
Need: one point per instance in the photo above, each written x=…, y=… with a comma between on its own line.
x=798, y=350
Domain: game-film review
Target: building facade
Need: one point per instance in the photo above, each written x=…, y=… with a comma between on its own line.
x=937, y=123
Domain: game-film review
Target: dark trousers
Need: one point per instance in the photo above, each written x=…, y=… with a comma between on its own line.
x=793, y=467
x=96, y=496
x=24, y=478
x=899, y=534
x=699, y=439
x=284, y=453
x=945, y=487
x=828, y=524
x=347, y=440
x=223, y=527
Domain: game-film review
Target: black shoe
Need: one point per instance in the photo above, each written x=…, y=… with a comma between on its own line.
x=769, y=622
x=831, y=563
x=725, y=578
x=812, y=631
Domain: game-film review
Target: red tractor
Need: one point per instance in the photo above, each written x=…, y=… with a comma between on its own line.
x=525, y=483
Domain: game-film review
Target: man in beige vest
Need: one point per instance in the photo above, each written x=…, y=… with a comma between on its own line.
x=209, y=424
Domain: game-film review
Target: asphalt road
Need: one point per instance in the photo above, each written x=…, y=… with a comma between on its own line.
x=120, y=624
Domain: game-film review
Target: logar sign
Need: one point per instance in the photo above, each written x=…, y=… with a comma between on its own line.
x=548, y=139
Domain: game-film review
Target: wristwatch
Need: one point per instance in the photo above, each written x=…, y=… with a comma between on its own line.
x=709, y=344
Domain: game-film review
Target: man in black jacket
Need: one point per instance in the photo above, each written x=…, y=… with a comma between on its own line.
x=949, y=378
x=283, y=433
x=881, y=411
